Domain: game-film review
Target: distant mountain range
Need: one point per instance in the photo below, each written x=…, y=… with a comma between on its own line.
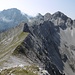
x=10, y=18
x=13, y=17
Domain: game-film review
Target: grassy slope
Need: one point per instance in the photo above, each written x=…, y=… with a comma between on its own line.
x=6, y=48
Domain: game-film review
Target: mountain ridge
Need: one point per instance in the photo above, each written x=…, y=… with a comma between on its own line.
x=49, y=44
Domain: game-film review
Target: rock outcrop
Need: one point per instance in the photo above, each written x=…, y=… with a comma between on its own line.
x=48, y=43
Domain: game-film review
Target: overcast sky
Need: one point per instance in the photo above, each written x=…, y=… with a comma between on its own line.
x=32, y=7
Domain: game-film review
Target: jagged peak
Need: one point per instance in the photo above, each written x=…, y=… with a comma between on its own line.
x=47, y=13
x=59, y=14
x=39, y=15
x=47, y=16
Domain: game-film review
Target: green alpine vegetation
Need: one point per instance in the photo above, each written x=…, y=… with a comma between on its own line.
x=8, y=46
x=27, y=70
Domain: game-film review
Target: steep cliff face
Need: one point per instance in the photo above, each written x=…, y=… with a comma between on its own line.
x=41, y=47
x=50, y=44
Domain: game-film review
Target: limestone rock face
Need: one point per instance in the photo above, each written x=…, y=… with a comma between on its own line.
x=50, y=44
x=47, y=16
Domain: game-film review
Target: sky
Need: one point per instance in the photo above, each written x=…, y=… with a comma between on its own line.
x=33, y=7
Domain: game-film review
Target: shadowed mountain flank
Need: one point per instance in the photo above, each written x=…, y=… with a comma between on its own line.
x=41, y=47
x=48, y=43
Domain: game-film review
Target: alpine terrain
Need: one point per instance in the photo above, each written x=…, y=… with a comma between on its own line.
x=42, y=45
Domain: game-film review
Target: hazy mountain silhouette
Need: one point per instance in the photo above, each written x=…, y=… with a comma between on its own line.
x=10, y=18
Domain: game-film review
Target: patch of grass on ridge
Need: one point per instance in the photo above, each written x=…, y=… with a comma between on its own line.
x=27, y=70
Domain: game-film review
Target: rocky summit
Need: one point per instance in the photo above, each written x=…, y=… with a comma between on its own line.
x=45, y=45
